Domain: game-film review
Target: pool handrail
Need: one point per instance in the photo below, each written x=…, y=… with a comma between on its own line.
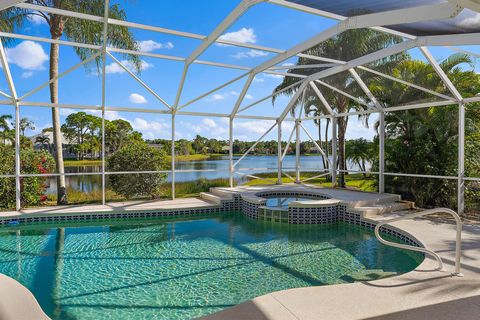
x=458, y=240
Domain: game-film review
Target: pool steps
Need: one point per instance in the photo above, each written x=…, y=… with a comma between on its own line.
x=214, y=198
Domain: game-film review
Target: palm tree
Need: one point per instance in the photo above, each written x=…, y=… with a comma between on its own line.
x=76, y=30
x=419, y=141
x=5, y=126
x=43, y=140
x=345, y=46
x=359, y=151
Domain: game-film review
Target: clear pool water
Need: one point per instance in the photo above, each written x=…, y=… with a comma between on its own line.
x=182, y=269
x=283, y=202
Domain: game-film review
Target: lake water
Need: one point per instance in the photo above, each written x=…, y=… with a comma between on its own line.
x=88, y=183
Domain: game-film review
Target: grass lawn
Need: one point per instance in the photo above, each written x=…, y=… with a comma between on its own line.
x=85, y=162
x=354, y=181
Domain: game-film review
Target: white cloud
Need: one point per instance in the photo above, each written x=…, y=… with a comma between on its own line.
x=250, y=54
x=258, y=79
x=275, y=76
x=27, y=74
x=208, y=128
x=27, y=55
x=67, y=112
x=210, y=123
x=151, y=45
x=114, y=67
x=222, y=96
x=35, y=19
x=216, y=97
x=244, y=35
x=250, y=130
x=151, y=129
x=137, y=98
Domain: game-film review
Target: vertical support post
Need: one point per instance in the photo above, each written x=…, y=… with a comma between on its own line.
x=17, y=157
x=279, y=152
x=334, y=152
x=381, y=153
x=230, y=151
x=104, y=60
x=461, y=160
x=173, y=154
x=297, y=151
x=13, y=92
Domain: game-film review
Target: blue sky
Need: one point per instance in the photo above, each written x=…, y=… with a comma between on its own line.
x=265, y=24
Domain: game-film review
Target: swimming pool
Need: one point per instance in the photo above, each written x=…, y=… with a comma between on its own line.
x=181, y=269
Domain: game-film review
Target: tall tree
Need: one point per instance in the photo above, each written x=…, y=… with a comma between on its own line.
x=26, y=124
x=76, y=30
x=79, y=129
x=119, y=133
x=345, y=46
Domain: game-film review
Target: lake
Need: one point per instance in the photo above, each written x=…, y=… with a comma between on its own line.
x=88, y=183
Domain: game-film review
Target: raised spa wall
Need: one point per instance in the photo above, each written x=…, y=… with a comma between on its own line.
x=320, y=210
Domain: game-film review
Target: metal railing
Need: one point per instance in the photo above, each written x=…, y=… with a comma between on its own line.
x=458, y=239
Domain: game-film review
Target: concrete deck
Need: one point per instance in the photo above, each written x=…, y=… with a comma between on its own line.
x=421, y=294
x=353, y=198
x=182, y=203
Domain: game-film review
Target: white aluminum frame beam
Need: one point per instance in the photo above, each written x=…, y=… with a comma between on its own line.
x=212, y=91
x=334, y=152
x=236, y=13
x=288, y=143
x=315, y=143
x=409, y=84
x=60, y=75
x=408, y=15
x=5, y=95
x=441, y=73
x=304, y=66
x=322, y=98
x=255, y=144
x=15, y=103
x=365, y=89
x=268, y=97
x=472, y=38
x=139, y=80
x=5, y=4
x=135, y=25
x=104, y=91
x=357, y=100
x=471, y=53
x=461, y=160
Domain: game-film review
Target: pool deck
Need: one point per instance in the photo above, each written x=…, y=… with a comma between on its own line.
x=348, y=196
x=421, y=294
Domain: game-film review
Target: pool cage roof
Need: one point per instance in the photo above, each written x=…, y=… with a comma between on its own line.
x=420, y=23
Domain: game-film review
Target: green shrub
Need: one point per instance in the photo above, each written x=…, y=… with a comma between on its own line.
x=137, y=156
x=32, y=188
